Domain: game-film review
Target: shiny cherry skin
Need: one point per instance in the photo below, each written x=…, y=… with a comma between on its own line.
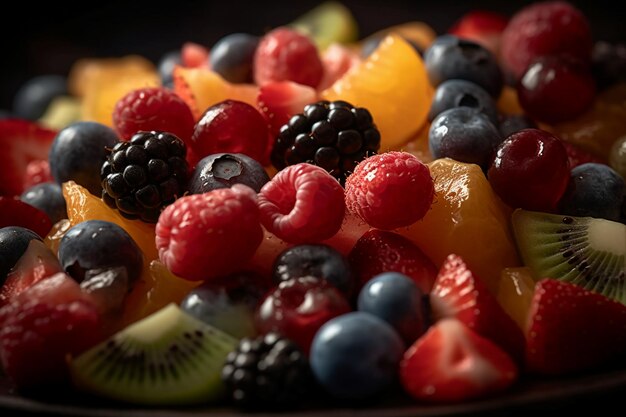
x=530, y=170
x=298, y=307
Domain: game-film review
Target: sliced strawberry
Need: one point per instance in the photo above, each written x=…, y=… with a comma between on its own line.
x=36, y=264
x=21, y=141
x=14, y=212
x=482, y=26
x=458, y=293
x=42, y=326
x=37, y=172
x=450, y=362
x=279, y=100
x=571, y=329
x=578, y=156
x=194, y=55
x=380, y=251
x=337, y=60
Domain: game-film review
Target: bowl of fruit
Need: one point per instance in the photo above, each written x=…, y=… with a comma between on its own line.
x=311, y=222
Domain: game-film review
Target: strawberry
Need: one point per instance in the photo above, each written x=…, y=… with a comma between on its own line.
x=15, y=212
x=21, y=142
x=379, y=251
x=458, y=293
x=571, y=329
x=36, y=264
x=194, y=55
x=279, y=100
x=337, y=59
x=481, y=26
x=450, y=362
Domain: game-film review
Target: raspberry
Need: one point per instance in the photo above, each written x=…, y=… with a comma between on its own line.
x=37, y=172
x=42, y=326
x=286, y=55
x=206, y=236
x=545, y=28
x=153, y=109
x=390, y=190
x=333, y=135
x=302, y=204
x=144, y=175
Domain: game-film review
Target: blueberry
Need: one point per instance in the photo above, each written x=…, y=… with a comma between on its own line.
x=395, y=298
x=223, y=170
x=233, y=55
x=513, y=123
x=457, y=93
x=230, y=307
x=316, y=260
x=608, y=63
x=594, y=190
x=34, y=96
x=166, y=66
x=78, y=152
x=450, y=57
x=108, y=287
x=47, y=197
x=464, y=134
x=356, y=355
x=97, y=244
x=14, y=241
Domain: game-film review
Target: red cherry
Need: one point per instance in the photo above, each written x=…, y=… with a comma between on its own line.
x=298, y=307
x=556, y=89
x=531, y=170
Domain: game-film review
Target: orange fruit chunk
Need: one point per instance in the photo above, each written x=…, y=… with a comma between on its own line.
x=201, y=88
x=82, y=206
x=468, y=219
x=393, y=85
x=515, y=293
x=508, y=103
x=600, y=127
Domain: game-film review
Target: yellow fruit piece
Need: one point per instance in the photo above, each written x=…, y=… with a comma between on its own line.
x=100, y=99
x=82, y=206
x=467, y=219
x=515, y=293
x=420, y=33
x=393, y=85
x=601, y=126
x=53, y=239
x=330, y=22
x=201, y=88
x=88, y=73
x=156, y=288
x=418, y=145
x=508, y=103
x=61, y=112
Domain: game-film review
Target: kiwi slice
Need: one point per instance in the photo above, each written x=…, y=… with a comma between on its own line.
x=328, y=23
x=165, y=359
x=585, y=251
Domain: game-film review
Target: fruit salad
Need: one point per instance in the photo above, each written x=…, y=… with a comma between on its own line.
x=307, y=213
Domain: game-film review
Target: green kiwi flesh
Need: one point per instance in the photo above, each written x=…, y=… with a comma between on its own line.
x=585, y=251
x=168, y=358
x=328, y=23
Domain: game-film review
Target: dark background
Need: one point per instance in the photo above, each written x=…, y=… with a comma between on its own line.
x=48, y=37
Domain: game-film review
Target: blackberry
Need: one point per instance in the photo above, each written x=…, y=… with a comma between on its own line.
x=269, y=371
x=142, y=176
x=333, y=135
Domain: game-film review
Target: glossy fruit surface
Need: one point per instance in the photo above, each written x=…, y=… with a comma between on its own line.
x=530, y=170
x=223, y=170
x=47, y=197
x=232, y=57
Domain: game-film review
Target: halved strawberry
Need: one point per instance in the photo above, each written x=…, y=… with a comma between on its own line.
x=15, y=212
x=482, y=26
x=279, y=100
x=380, y=251
x=21, y=141
x=42, y=326
x=194, y=55
x=571, y=329
x=578, y=156
x=450, y=362
x=458, y=293
x=36, y=264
